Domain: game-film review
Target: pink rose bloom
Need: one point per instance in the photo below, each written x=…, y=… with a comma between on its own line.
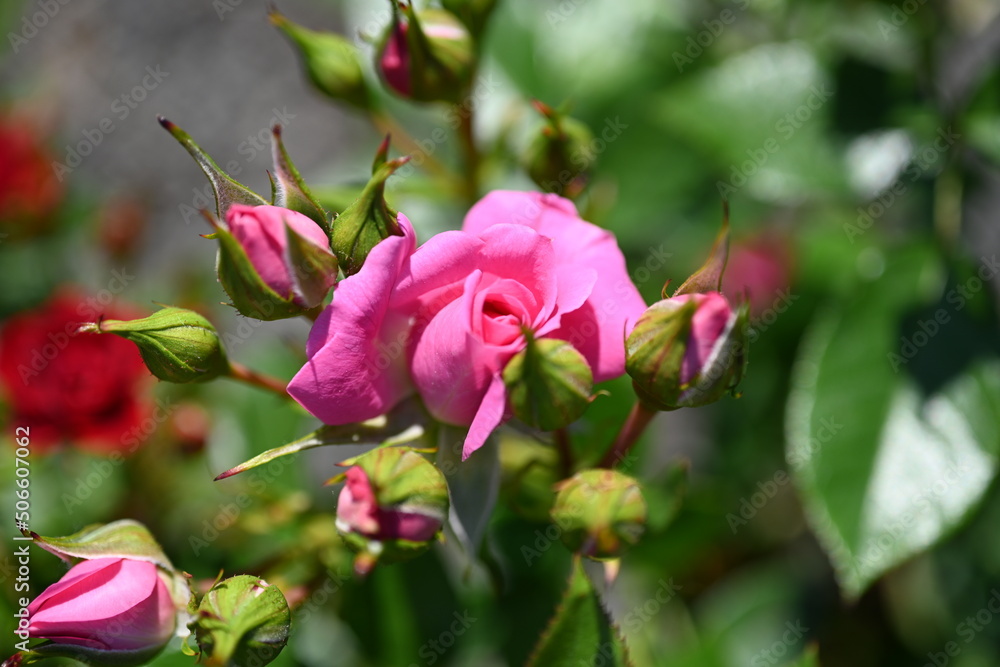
x=358, y=512
x=262, y=232
x=445, y=319
x=106, y=604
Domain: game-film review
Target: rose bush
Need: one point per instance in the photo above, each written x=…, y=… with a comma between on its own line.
x=445, y=319
x=85, y=389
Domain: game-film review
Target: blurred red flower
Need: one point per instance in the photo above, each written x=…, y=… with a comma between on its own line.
x=29, y=189
x=762, y=268
x=86, y=390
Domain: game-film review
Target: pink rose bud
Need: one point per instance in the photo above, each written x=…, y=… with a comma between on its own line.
x=392, y=505
x=104, y=610
x=427, y=57
x=290, y=254
x=687, y=350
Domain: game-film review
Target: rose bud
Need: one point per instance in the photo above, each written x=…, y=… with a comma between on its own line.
x=331, y=62
x=242, y=620
x=369, y=219
x=548, y=384
x=105, y=611
x=600, y=512
x=688, y=350
x=30, y=189
x=176, y=345
x=427, y=57
x=559, y=155
x=274, y=262
x=392, y=505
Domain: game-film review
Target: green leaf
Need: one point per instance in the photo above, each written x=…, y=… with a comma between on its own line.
x=581, y=632
x=404, y=424
x=290, y=190
x=227, y=191
x=891, y=453
x=119, y=539
x=242, y=621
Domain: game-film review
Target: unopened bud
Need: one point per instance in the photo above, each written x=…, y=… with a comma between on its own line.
x=177, y=345
x=243, y=620
x=426, y=56
x=559, y=156
x=548, y=384
x=600, y=512
x=392, y=505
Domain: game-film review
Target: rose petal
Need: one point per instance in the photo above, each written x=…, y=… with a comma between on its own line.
x=357, y=367
x=490, y=414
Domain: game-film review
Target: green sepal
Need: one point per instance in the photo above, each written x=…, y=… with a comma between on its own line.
x=120, y=539
x=475, y=14
x=289, y=190
x=404, y=424
x=367, y=221
x=709, y=277
x=227, y=191
x=242, y=621
x=177, y=345
x=654, y=352
x=548, y=384
x=247, y=291
x=310, y=265
x=93, y=656
x=440, y=68
x=332, y=63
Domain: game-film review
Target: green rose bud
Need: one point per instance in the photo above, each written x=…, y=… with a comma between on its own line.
x=331, y=62
x=559, y=156
x=242, y=621
x=369, y=219
x=600, y=512
x=427, y=56
x=473, y=13
x=548, y=384
x=177, y=345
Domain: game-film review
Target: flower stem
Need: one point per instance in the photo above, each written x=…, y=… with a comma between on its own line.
x=565, y=450
x=633, y=427
x=238, y=371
